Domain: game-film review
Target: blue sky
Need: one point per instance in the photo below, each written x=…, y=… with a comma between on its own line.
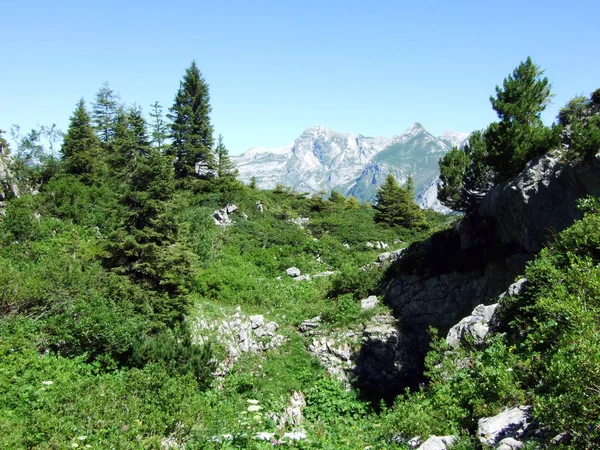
x=278, y=67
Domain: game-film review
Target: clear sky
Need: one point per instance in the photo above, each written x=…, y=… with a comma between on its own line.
x=278, y=67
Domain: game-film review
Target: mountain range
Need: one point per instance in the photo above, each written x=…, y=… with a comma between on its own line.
x=321, y=159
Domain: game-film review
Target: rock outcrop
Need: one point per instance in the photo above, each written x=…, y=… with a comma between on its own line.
x=505, y=428
x=374, y=358
x=237, y=334
x=541, y=200
x=439, y=282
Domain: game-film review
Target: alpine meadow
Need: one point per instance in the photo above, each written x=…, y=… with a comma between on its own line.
x=151, y=299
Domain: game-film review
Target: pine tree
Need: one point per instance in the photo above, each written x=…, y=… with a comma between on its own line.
x=105, y=111
x=159, y=127
x=520, y=134
x=396, y=207
x=191, y=130
x=81, y=147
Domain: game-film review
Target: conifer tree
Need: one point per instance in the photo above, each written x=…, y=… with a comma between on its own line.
x=145, y=246
x=225, y=166
x=520, y=134
x=105, y=111
x=81, y=147
x=396, y=207
x=191, y=130
x=159, y=127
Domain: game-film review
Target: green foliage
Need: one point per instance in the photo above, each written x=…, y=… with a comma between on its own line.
x=81, y=147
x=520, y=134
x=191, y=130
x=178, y=353
x=145, y=246
x=396, y=207
x=581, y=120
x=105, y=112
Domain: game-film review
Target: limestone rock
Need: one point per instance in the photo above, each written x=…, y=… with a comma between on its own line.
x=221, y=218
x=510, y=423
x=230, y=208
x=437, y=443
x=327, y=273
x=293, y=272
x=302, y=278
x=309, y=324
x=509, y=444
x=369, y=302
x=541, y=198
x=473, y=328
x=237, y=334
x=292, y=415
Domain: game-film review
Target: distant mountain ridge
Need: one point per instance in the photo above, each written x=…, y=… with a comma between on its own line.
x=323, y=159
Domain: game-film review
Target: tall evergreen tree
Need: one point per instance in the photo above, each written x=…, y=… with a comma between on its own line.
x=225, y=168
x=145, y=245
x=520, y=134
x=105, y=111
x=81, y=147
x=159, y=127
x=396, y=206
x=191, y=130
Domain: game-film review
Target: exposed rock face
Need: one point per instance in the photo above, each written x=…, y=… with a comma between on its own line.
x=374, y=358
x=237, y=334
x=440, y=282
x=473, y=328
x=510, y=425
x=437, y=443
x=541, y=200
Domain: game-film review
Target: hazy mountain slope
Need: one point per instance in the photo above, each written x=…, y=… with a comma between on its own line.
x=322, y=159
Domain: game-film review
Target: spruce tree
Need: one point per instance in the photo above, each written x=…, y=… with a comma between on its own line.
x=105, y=111
x=145, y=246
x=81, y=147
x=191, y=130
x=159, y=127
x=396, y=207
x=225, y=166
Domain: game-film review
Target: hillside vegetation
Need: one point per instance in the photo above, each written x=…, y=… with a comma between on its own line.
x=112, y=262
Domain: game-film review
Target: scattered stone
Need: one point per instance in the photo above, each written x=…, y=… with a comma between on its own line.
x=381, y=245
x=294, y=436
x=437, y=443
x=293, y=272
x=264, y=436
x=510, y=423
x=369, y=302
x=237, y=334
x=257, y=321
x=300, y=221
x=170, y=443
x=309, y=324
x=472, y=329
x=244, y=216
x=345, y=244
x=221, y=218
x=260, y=207
x=509, y=444
x=302, y=278
x=230, y=208
x=327, y=273
x=292, y=415
x=390, y=257
x=369, y=245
